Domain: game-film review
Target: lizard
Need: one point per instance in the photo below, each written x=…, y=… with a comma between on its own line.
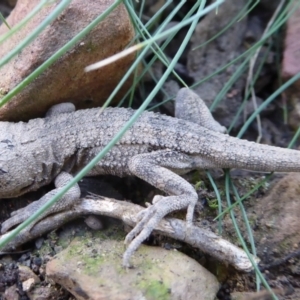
x=157, y=148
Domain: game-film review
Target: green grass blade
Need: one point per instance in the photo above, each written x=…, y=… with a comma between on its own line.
x=60, y=7
x=4, y=21
x=236, y=18
x=115, y=139
x=146, y=44
x=216, y=190
x=248, y=92
x=242, y=241
x=140, y=28
x=280, y=22
x=248, y=228
x=57, y=54
x=170, y=37
x=267, y=102
x=24, y=21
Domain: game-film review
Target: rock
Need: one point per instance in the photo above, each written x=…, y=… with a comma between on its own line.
x=47, y=292
x=65, y=80
x=278, y=216
x=28, y=285
x=262, y=295
x=28, y=278
x=204, y=61
x=26, y=273
x=276, y=224
x=291, y=65
x=11, y=293
x=291, y=55
x=96, y=273
x=94, y=222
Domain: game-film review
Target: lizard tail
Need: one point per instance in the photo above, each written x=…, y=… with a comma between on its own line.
x=242, y=154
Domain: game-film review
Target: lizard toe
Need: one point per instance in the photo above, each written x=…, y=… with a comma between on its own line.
x=10, y=223
x=139, y=238
x=144, y=216
x=150, y=220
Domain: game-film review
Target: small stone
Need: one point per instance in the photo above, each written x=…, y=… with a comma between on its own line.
x=26, y=273
x=47, y=292
x=28, y=284
x=37, y=261
x=39, y=243
x=11, y=293
x=42, y=271
x=262, y=295
x=93, y=222
x=58, y=249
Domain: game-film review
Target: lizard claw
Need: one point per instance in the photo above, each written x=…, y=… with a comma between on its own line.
x=150, y=218
x=143, y=218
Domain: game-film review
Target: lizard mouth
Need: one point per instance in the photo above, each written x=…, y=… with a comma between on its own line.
x=26, y=189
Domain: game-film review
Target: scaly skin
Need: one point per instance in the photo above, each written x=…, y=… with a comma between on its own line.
x=156, y=148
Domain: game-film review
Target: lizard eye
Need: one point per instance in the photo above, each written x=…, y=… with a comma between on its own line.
x=6, y=143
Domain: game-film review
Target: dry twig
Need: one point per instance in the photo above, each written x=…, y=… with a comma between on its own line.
x=203, y=239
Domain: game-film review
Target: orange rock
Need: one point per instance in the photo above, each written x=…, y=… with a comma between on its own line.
x=291, y=55
x=65, y=80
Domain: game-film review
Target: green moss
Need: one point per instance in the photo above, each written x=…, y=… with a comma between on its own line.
x=91, y=47
x=213, y=203
x=111, y=233
x=155, y=290
x=92, y=261
x=92, y=264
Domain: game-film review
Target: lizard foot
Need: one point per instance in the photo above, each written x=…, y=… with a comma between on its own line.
x=149, y=218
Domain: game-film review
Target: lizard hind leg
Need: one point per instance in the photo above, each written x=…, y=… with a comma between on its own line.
x=190, y=107
x=156, y=168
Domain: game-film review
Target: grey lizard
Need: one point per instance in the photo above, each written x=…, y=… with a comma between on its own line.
x=157, y=149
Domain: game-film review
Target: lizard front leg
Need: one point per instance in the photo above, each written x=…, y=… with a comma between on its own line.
x=66, y=201
x=190, y=107
x=158, y=168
